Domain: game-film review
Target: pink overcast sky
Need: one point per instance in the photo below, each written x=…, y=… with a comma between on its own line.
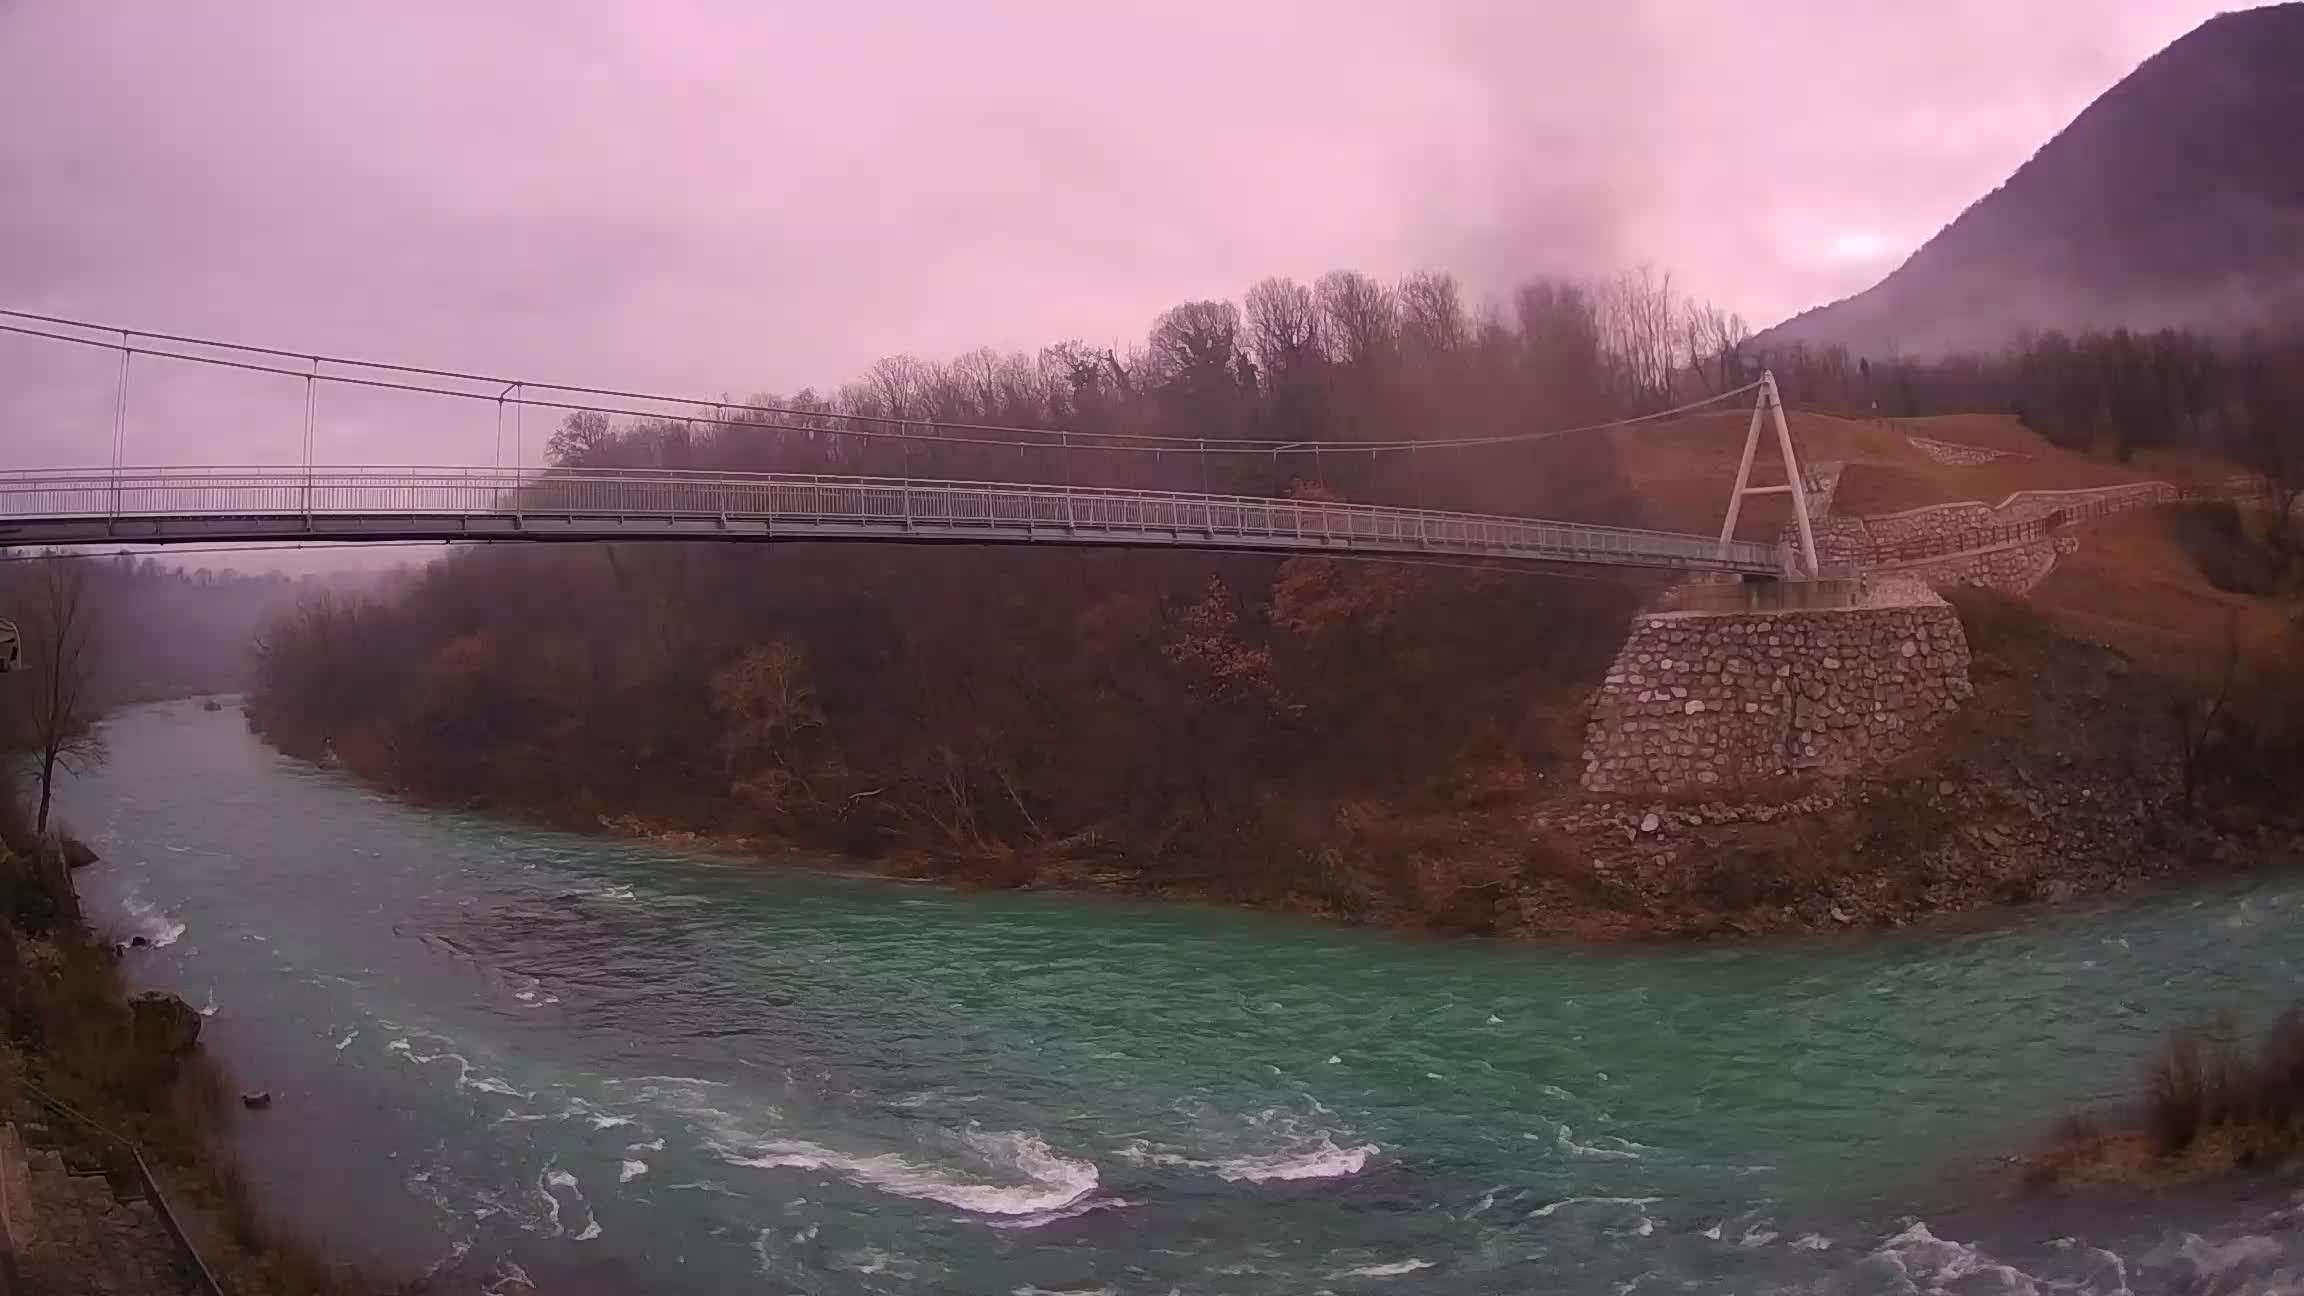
x=732, y=197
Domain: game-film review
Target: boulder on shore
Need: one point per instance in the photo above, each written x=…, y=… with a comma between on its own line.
x=165, y=1022
x=257, y=1101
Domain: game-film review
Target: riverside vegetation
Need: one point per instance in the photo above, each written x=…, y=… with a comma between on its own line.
x=101, y=634
x=1384, y=742
x=70, y=1028
x=2211, y=1104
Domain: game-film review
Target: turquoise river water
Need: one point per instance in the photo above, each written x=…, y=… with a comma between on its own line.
x=621, y=1068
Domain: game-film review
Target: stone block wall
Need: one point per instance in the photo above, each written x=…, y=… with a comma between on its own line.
x=1896, y=538
x=1705, y=702
x=2010, y=568
x=1948, y=452
x=2006, y=547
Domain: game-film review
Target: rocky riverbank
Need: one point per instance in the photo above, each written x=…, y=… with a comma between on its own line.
x=2067, y=771
x=2063, y=779
x=89, y=1070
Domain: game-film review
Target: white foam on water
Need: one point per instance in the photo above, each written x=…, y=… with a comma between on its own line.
x=1393, y=1270
x=1030, y=1290
x=614, y=893
x=458, y=1248
x=650, y=1082
x=704, y=1186
x=346, y=1042
x=627, y=1171
x=652, y=1145
x=464, y=1078
x=1811, y=1242
x=1333, y=1059
x=1925, y=1262
x=147, y=921
x=209, y=1009
x=2207, y=1259
x=1052, y=1182
x=1324, y=1161
x=1281, y=1146
x=1756, y=1237
x=872, y=1260
x=1073, y=1211
x=1712, y=1232
x=551, y=1203
x=1603, y=1147
x=1543, y=1212
x=549, y=1185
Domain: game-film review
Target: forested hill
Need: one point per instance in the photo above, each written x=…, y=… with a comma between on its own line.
x=2175, y=200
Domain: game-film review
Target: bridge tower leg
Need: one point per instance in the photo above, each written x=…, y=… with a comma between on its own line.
x=1770, y=408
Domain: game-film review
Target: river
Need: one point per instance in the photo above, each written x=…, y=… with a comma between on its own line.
x=629, y=1069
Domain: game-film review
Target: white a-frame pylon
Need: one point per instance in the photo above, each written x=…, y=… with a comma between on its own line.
x=1770, y=407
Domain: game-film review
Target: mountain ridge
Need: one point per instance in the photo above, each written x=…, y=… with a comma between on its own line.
x=2175, y=199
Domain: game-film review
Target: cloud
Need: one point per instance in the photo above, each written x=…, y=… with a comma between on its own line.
x=726, y=197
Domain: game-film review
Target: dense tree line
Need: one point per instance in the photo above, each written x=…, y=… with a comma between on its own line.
x=2241, y=398
x=1022, y=707
x=1346, y=361
x=1013, y=705
x=99, y=632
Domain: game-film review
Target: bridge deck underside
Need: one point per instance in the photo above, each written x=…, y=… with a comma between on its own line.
x=181, y=506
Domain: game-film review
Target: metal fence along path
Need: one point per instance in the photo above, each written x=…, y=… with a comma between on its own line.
x=174, y=505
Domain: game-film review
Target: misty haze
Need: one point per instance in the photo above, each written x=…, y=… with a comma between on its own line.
x=707, y=648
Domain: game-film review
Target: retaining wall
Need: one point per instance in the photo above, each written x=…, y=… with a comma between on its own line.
x=1705, y=702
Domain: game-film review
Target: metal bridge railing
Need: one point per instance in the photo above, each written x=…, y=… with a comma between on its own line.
x=858, y=507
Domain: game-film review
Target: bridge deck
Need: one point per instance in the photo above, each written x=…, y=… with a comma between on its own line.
x=175, y=505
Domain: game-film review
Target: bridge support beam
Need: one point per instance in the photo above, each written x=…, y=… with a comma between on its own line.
x=1706, y=702
x=1769, y=408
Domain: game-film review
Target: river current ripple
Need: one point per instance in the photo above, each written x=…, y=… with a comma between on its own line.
x=625, y=1069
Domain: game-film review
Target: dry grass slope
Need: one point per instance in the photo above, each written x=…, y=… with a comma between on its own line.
x=1679, y=471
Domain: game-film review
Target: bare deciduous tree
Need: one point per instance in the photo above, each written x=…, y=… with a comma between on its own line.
x=61, y=638
x=766, y=704
x=2268, y=411
x=1196, y=339
x=2199, y=716
x=1639, y=323
x=1283, y=326
x=1715, y=341
x=1359, y=319
x=1433, y=322
x=580, y=439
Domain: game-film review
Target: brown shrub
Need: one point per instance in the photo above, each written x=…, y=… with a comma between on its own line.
x=1776, y=863
x=2206, y=1083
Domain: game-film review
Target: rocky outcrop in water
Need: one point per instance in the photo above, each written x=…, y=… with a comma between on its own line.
x=164, y=1023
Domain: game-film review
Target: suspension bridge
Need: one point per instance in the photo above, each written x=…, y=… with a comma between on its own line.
x=120, y=503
